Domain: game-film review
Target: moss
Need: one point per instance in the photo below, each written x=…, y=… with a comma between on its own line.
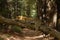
x=16, y=29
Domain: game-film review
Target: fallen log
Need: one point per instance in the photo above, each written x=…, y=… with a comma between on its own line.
x=51, y=31
x=43, y=28
x=11, y=22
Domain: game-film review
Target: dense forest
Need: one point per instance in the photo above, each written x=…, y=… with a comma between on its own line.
x=29, y=20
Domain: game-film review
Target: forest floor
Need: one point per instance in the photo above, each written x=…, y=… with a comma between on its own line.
x=27, y=34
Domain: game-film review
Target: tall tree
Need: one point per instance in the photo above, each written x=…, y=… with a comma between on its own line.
x=46, y=10
x=4, y=11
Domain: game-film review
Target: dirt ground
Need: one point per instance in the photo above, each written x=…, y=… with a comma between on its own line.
x=27, y=34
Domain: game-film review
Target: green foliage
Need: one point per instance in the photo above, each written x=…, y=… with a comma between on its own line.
x=33, y=8
x=16, y=29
